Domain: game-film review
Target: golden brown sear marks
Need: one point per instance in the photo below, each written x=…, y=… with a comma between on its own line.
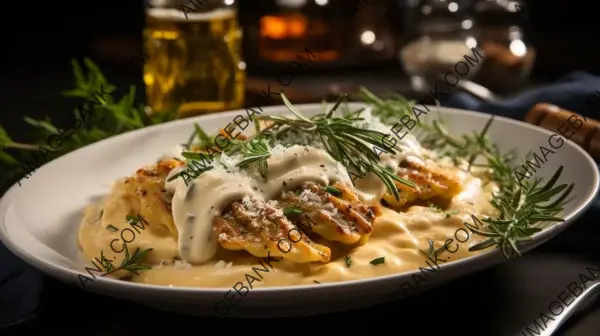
x=258, y=227
x=431, y=181
x=334, y=212
x=147, y=186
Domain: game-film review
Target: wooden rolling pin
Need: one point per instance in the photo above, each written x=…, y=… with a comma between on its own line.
x=584, y=131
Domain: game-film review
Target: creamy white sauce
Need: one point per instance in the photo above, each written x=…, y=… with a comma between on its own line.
x=371, y=188
x=195, y=206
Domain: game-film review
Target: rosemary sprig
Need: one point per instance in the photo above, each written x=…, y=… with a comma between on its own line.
x=129, y=263
x=521, y=209
x=100, y=114
x=387, y=110
x=522, y=205
x=350, y=145
x=432, y=253
x=255, y=151
x=203, y=139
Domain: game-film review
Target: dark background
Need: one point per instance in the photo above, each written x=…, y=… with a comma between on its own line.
x=39, y=39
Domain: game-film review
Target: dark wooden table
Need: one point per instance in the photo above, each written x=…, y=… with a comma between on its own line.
x=497, y=301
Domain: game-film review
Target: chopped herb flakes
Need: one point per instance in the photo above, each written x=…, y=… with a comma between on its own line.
x=451, y=213
x=111, y=228
x=315, y=281
x=377, y=261
x=333, y=191
x=348, y=261
x=293, y=210
x=437, y=209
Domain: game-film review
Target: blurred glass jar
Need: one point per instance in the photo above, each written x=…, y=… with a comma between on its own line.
x=442, y=37
x=508, y=56
x=193, y=56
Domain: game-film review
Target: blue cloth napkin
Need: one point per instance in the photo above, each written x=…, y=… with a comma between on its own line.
x=21, y=286
x=576, y=91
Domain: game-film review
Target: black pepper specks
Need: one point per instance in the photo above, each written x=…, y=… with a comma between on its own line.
x=322, y=166
x=144, y=192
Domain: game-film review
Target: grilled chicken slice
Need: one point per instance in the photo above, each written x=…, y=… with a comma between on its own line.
x=333, y=212
x=261, y=227
x=431, y=181
x=147, y=187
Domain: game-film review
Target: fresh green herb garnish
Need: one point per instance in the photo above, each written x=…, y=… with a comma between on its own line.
x=334, y=191
x=452, y=213
x=131, y=219
x=432, y=253
x=197, y=163
x=100, y=114
x=292, y=210
x=111, y=228
x=377, y=261
x=129, y=263
x=437, y=209
x=255, y=152
x=203, y=139
x=521, y=208
x=346, y=143
x=523, y=205
x=348, y=261
x=389, y=111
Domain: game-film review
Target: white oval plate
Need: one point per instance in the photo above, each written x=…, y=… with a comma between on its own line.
x=40, y=219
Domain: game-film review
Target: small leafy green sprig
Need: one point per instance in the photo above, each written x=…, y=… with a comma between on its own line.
x=130, y=263
x=520, y=210
x=107, y=117
x=432, y=253
x=255, y=151
x=523, y=205
x=437, y=209
x=350, y=145
x=346, y=143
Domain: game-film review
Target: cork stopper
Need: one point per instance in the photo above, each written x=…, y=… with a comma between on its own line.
x=584, y=131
